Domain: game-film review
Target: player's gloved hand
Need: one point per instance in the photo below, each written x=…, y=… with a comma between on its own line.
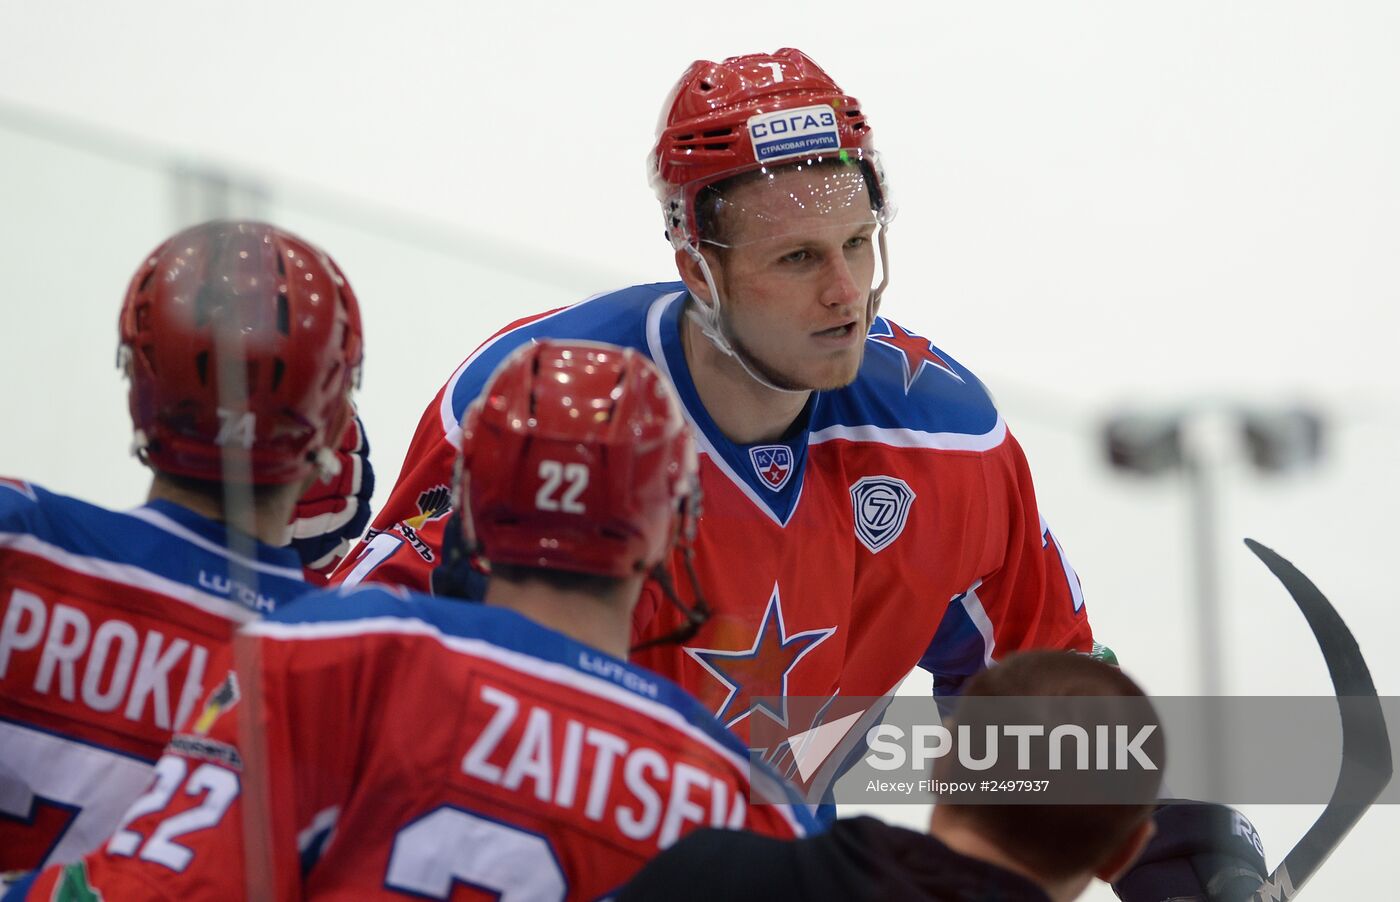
x=1201, y=851
x=335, y=511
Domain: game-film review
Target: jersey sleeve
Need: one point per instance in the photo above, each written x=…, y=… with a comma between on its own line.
x=19, y=505
x=1030, y=599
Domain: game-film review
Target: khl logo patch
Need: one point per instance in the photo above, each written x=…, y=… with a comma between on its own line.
x=881, y=505
x=773, y=464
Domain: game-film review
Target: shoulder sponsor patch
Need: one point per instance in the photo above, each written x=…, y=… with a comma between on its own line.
x=881, y=507
x=221, y=699
x=784, y=134
x=773, y=464
x=433, y=504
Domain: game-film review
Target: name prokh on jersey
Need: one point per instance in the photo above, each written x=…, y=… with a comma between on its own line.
x=584, y=768
x=58, y=650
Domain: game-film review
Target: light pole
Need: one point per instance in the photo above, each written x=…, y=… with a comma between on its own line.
x=1198, y=442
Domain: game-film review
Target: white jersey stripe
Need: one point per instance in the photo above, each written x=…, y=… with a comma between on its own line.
x=913, y=438
x=978, y=614
x=321, y=824
x=527, y=664
x=126, y=575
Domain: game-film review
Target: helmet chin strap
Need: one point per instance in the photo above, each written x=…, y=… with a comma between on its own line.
x=707, y=315
x=873, y=307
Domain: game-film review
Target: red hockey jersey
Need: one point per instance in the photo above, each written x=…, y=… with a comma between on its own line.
x=108, y=622
x=419, y=747
x=898, y=526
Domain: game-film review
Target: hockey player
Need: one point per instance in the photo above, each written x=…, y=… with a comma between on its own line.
x=867, y=510
x=108, y=620
x=414, y=743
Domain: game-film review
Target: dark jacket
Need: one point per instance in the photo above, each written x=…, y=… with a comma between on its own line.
x=857, y=859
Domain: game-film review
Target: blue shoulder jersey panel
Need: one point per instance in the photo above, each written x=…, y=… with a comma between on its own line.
x=906, y=383
x=907, y=391
x=617, y=317
x=646, y=318
x=161, y=538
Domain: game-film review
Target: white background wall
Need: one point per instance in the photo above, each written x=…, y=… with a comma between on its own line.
x=1100, y=203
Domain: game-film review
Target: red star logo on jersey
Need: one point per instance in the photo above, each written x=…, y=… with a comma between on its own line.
x=757, y=677
x=917, y=350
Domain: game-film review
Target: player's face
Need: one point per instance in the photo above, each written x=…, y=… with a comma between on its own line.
x=796, y=273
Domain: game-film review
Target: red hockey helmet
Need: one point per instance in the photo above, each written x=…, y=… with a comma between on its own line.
x=241, y=338
x=747, y=113
x=576, y=457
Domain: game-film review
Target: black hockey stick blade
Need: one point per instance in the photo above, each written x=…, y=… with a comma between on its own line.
x=1366, y=766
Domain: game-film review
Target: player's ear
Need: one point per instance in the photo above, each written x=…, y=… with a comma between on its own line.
x=1117, y=864
x=692, y=276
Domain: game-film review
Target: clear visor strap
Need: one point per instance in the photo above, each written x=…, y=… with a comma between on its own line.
x=874, y=306
x=706, y=316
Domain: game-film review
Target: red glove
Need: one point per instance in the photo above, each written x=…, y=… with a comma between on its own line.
x=334, y=511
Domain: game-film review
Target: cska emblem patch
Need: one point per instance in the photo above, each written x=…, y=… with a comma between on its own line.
x=881, y=507
x=773, y=464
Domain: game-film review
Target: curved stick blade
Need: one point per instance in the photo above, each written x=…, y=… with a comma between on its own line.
x=1366, y=757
